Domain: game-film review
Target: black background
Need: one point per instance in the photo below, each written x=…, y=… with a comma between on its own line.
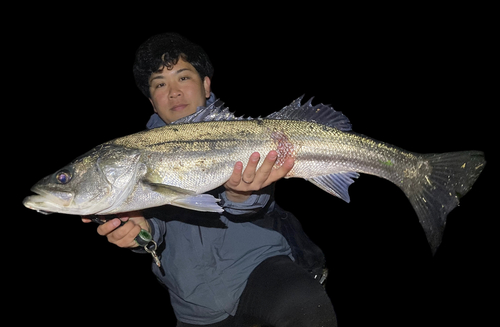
x=418, y=78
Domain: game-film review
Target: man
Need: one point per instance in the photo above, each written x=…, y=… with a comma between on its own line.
x=237, y=270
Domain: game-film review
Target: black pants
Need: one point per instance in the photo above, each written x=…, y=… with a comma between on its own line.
x=279, y=293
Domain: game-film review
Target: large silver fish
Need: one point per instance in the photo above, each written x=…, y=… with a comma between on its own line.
x=177, y=163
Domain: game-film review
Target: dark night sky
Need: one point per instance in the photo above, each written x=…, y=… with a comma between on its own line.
x=417, y=82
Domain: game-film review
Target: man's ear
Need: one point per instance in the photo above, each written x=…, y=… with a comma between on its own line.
x=153, y=104
x=206, y=85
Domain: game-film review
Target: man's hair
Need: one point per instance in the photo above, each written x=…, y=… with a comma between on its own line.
x=163, y=51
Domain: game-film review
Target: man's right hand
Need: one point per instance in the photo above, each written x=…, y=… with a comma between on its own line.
x=125, y=235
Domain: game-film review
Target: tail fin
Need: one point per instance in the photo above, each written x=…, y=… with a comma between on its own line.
x=448, y=177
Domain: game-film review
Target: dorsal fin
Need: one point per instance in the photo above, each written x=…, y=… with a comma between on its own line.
x=214, y=112
x=320, y=113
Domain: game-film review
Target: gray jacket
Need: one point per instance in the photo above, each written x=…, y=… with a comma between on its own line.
x=207, y=258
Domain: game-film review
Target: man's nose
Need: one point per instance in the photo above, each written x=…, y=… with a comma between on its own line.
x=174, y=93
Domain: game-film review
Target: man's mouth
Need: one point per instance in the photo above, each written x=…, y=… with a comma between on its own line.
x=179, y=107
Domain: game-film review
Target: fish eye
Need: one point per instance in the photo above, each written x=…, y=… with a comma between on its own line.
x=63, y=177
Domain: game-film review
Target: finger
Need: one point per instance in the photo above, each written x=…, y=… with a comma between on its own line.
x=266, y=168
x=287, y=165
x=85, y=219
x=281, y=172
x=128, y=240
x=108, y=227
x=235, y=178
x=138, y=218
x=125, y=236
x=249, y=173
x=133, y=214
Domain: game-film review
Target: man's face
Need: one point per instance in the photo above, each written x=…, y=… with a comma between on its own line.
x=176, y=93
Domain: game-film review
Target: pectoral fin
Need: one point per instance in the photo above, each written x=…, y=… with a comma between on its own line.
x=187, y=198
x=169, y=190
x=336, y=184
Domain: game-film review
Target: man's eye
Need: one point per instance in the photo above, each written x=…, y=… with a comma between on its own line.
x=160, y=85
x=183, y=78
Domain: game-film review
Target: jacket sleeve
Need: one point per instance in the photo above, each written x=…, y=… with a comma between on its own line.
x=252, y=205
x=158, y=230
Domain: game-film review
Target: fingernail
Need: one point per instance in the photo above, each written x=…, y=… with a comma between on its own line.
x=116, y=222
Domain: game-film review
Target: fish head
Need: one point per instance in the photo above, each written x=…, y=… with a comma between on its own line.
x=93, y=183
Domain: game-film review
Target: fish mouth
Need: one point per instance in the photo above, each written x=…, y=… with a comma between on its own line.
x=30, y=203
x=47, y=202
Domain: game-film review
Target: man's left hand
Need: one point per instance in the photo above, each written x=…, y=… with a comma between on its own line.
x=241, y=184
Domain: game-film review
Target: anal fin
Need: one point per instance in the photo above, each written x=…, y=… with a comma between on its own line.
x=199, y=202
x=336, y=184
